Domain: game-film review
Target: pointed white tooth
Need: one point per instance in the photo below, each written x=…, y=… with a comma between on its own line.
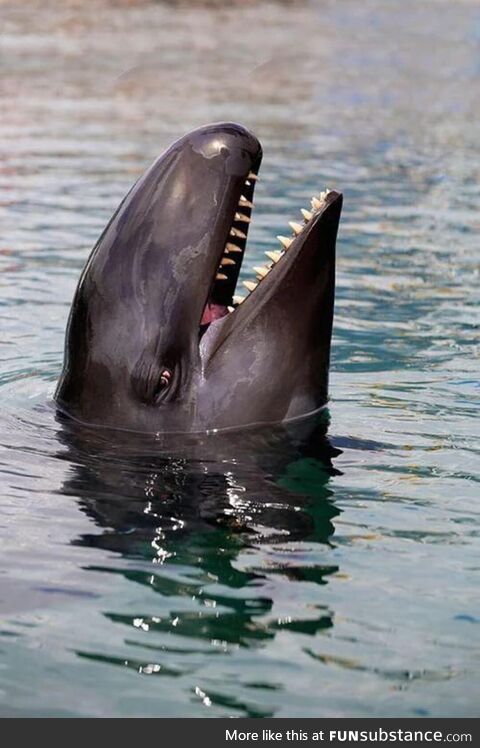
x=238, y=299
x=227, y=261
x=231, y=308
x=285, y=241
x=239, y=234
x=274, y=256
x=251, y=285
x=230, y=248
x=252, y=176
x=221, y=277
x=296, y=227
x=317, y=203
x=241, y=217
x=306, y=214
x=262, y=271
x=244, y=202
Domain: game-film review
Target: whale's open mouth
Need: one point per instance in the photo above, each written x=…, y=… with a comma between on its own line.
x=225, y=295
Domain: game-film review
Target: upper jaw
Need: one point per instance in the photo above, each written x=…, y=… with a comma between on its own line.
x=230, y=262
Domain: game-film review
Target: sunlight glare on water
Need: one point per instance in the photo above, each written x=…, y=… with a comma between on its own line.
x=274, y=578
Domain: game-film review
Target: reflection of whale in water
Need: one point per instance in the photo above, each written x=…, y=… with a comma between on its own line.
x=201, y=504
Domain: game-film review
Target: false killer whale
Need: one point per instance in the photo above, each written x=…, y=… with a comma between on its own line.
x=159, y=341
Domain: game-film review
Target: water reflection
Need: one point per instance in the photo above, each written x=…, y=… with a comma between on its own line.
x=181, y=515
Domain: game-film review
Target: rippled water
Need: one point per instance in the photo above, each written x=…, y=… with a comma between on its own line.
x=275, y=574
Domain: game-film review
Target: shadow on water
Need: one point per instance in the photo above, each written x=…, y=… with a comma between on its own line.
x=179, y=512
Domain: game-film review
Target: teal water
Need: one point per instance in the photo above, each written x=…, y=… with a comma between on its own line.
x=267, y=576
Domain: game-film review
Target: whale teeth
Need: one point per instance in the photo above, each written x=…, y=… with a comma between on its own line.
x=241, y=217
x=252, y=176
x=297, y=228
x=239, y=234
x=261, y=271
x=232, y=248
x=317, y=202
x=285, y=241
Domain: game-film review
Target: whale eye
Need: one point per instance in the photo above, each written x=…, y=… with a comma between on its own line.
x=165, y=377
x=164, y=382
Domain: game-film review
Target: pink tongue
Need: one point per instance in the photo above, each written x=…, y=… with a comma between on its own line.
x=213, y=312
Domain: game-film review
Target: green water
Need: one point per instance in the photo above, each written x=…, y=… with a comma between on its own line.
x=264, y=576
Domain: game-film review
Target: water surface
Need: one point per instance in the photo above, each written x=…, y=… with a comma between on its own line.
x=282, y=574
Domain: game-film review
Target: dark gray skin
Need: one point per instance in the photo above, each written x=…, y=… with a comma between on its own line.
x=137, y=356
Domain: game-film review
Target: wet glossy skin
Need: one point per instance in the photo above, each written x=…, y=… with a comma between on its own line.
x=137, y=310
